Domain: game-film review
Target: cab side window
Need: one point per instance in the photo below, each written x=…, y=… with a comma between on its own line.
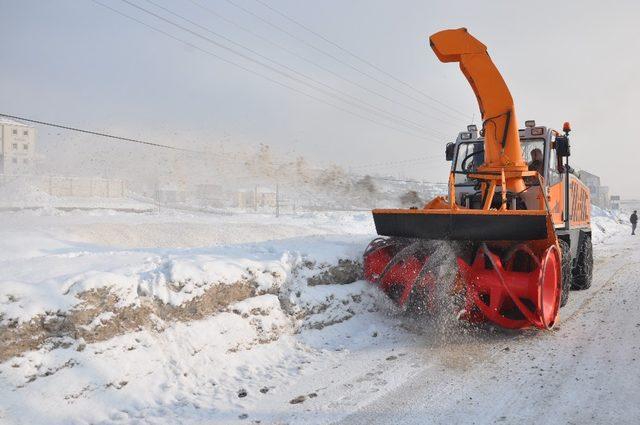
x=554, y=175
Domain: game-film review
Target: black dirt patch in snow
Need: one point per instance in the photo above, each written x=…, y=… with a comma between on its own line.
x=298, y=399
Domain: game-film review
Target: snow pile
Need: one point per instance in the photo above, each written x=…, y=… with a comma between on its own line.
x=108, y=334
x=606, y=223
x=172, y=278
x=205, y=371
x=55, y=284
x=147, y=374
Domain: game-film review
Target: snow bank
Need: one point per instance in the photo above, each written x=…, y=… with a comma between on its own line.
x=606, y=223
x=104, y=334
x=55, y=285
x=172, y=278
x=145, y=374
x=204, y=371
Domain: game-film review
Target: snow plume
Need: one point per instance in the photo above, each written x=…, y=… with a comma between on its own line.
x=445, y=268
x=432, y=308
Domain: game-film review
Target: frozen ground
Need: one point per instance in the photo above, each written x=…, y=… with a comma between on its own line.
x=193, y=318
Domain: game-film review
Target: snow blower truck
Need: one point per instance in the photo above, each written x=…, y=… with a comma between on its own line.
x=517, y=217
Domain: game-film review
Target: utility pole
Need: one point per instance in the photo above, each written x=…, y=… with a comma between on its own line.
x=158, y=195
x=277, y=200
x=255, y=198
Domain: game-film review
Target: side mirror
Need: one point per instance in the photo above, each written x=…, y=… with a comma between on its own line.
x=449, y=151
x=563, y=149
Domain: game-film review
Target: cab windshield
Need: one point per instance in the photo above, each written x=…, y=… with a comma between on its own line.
x=470, y=156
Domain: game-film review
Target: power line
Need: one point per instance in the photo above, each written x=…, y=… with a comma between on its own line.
x=430, y=162
x=97, y=133
x=391, y=179
x=190, y=45
x=335, y=58
x=377, y=68
x=242, y=55
x=401, y=166
x=319, y=66
x=368, y=106
x=230, y=62
x=400, y=162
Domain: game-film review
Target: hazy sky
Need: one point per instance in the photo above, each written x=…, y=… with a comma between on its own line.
x=76, y=62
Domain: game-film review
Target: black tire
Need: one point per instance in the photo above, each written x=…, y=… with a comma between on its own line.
x=583, y=271
x=567, y=273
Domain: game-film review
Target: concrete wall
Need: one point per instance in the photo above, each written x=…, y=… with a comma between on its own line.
x=248, y=199
x=79, y=187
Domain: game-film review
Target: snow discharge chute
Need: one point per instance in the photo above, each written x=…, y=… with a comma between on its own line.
x=509, y=259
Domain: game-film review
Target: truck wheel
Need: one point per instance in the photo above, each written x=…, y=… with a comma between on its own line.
x=567, y=276
x=583, y=271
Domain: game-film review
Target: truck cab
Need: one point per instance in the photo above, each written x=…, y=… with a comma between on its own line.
x=467, y=153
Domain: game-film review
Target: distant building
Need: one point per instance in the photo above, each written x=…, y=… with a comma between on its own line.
x=17, y=147
x=604, y=200
x=615, y=202
x=593, y=183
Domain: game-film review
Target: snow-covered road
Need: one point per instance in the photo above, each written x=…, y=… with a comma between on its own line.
x=585, y=371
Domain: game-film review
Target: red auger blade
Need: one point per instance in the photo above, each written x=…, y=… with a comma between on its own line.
x=514, y=290
x=397, y=266
x=510, y=296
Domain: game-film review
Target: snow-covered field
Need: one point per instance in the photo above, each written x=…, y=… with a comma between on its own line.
x=175, y=317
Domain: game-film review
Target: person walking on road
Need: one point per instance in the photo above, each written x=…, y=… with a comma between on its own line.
x=634, y=222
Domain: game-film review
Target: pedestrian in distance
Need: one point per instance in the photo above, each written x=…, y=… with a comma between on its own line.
x=634, y=221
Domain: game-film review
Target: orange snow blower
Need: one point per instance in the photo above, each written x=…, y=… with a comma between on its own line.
x=518, y=217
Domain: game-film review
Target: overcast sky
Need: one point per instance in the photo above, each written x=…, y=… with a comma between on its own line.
x=76, y=62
